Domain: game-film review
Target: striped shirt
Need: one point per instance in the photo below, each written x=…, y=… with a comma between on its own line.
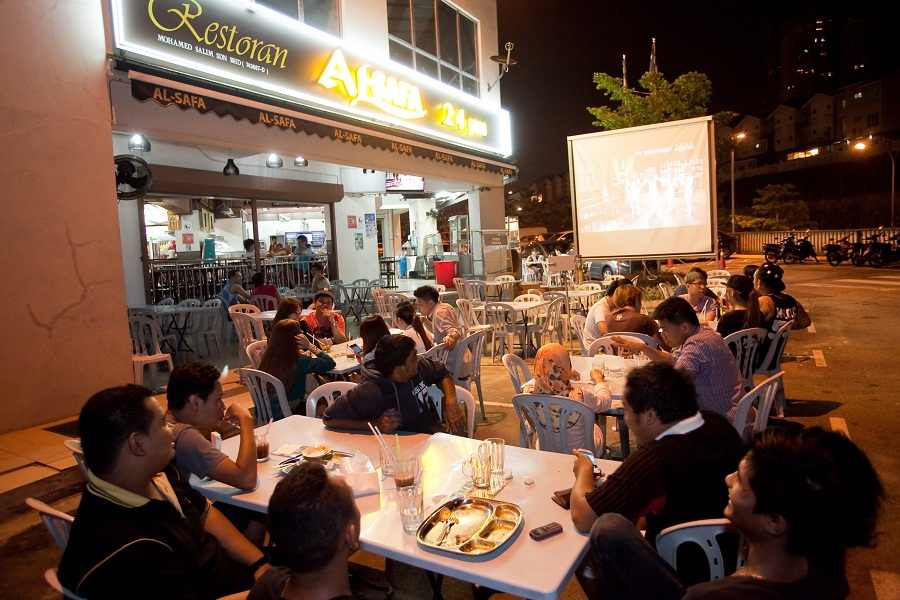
x=444, y=322
x=706, y=356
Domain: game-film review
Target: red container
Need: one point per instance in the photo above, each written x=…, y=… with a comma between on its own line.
x=444, y=272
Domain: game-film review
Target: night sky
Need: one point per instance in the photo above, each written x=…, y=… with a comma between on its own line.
x=560, y=44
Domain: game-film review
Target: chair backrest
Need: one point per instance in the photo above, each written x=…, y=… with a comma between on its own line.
x=771, y=363
x=438, y=352
x=58, y=523
x=506, y=278
x=52, y=580
x=394, y=300
x=145, y=334
x=717, y=274
x=763, y=396
x=248, y=329
x=360, y=282
x=283, y=290
x=744, y=345
x=603, y=345
x=475, y=289
x=190, y=303
x=527, y=298
x=213, y=302
x=650, y=341
x=166, y=302
x=459, y=284
x=329, y=392
x=465, y=397
x=703, y=533
x=469, y=363
x=549, y=418
x=518, y=371
x=440, y=287
x=255, y=351
x=260, y=383
x=665, y=289
x=499, y=316
x=244, y=309
x=577, y=322
x=264, y=302
x=74, y=446
x=590, y=287
x=469, y=316
x=717, y=288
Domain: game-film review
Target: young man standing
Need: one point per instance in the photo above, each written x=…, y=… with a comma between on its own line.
x=445, y=326
x=396, y=396
x=136, y=534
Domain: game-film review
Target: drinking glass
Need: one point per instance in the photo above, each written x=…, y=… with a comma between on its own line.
x=387, y=464
x=482, y=466
x=406, y=471
x=410, y=499
x=497, y=446
x=262, y=445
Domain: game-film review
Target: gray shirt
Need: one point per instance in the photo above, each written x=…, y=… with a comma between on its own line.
x=193, y=452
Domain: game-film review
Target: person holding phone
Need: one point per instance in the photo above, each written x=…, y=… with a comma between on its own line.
x=371, y=330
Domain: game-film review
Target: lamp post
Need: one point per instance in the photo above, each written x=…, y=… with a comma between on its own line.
x=860, y=147
x=736, y=139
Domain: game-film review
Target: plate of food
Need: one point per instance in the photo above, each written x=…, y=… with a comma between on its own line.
x=314, y=452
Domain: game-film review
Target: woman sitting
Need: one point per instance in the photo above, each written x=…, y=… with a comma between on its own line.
x=626, y=314
x=553, y=374
x=371, y=330
x=290, y=357
x=289, y=308
x=412, y=327
x=744, y=303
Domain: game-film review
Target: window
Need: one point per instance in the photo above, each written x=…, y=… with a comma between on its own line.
x=435, y=39
x=321, y=14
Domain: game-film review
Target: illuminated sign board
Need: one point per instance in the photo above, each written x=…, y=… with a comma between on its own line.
x=253, y=48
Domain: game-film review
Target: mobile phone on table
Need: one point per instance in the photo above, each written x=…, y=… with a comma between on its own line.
x=545, y=531
x=563, y=497
x=355, y=349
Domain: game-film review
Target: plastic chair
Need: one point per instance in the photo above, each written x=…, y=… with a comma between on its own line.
x=327, y=392
x=650, y=341
x=58, y=523
x=145, y=350
x=717, y=274
x=255, y=351
x=518, y=371
x=590, y=287
x=207, y=325
x=259, y=383
x=604, y=345
x=771, y=363
x=717, y=288
x=549, y=324
x=744, y=345
x=527, y=298
x=74, y=446
x=285, y=291
x=190, y=303
x=466, y=366
x=52, y=580
x=393, y=301
x=477, y=289
x=459, y=285
x=763, y=396
x=464, y=396
x=705, y=534
x=244, y=309
x=470, y=317
x=438, y=352
x=501, y=318
x=166, y=302
x=440, y=287
x=577, y=322
x=665, y=289
x=549, y=418
x=263, y=302
x=217, y=302
x=247, y=328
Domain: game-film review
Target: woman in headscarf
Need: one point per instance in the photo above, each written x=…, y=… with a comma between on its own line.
x=553, y=374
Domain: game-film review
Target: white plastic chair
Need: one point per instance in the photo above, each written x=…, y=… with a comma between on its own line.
x=207, y=324
x=590, y=287
x=548, y=417
x=518, y=371
x=466, y=366
x=470, y=317
x=717, y=274
x=717, y=288
x=475, y=289
x=704, y=533
x=190, y=303
x=255, y=351
x=505, y=278
x=329, y=392
x=650, y=341
x=248, y=329
x=665, y=289
x=438, y=352
x=213, y=302
x=245, y=309
x=52, y=580
x=459, y=284
x=259, y=383
x=771, y=363
x=744, y=345
x=166, y=302
x=393, y=301
x=549, y=324
x=527, y=298
x=263, y=302
x=464, y=397
x=576, y=322
x=58, y=523
x=763, y=396
x=74, y=446
x=440, y=287
x=285, y=291
x=604, y=346
x=145, y=350
x=501, y=318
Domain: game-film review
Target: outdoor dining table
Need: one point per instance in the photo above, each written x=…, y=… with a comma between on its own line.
x=503, y=285
x=345, y=360
x=520, y=307
x=269, y=315
x=357, y=296
x=175, y=320
x=523, y=567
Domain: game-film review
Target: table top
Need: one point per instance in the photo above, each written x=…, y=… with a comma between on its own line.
x=525, y=567
x=584, y=364
x=345, y=360
x=517, y=306
x=495, y=282
x=268, y=315
x=171, y=308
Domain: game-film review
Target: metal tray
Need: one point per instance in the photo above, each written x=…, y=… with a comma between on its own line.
x=470, y=526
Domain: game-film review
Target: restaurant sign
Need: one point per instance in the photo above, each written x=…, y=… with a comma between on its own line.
x=257, y=50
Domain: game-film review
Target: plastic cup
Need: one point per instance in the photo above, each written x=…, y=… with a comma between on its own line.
x=410, y=499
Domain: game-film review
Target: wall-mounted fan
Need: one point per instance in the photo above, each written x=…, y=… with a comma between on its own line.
x=133, y=177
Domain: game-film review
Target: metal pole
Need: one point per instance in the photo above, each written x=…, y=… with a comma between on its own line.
x=893, y=178
x=732, y=190
x=254, y=217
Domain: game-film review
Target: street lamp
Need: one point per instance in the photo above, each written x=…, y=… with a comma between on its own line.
x=861, y=146
x=738, y=137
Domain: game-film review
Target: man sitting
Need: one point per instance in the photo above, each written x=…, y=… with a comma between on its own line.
x=137, y=535
x=314, y=525
x=445, y=326
x=396, y=396
x=699, y=351
x=324, y=322
x=676, y=475
x=800, y=500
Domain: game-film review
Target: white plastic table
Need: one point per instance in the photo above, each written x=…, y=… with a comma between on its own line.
x=524, y=567
x=269, y=315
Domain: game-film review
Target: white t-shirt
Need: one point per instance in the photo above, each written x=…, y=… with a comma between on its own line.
x=411, y=333
x=598, y=314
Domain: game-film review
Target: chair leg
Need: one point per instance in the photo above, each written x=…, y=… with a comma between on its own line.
x=477, y=379
x=138, y=372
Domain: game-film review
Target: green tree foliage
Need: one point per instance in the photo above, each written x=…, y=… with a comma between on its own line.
x=776, y=206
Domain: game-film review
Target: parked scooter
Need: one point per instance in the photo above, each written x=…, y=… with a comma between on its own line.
x=843, y=250
x=790, y=250
x=879, y=253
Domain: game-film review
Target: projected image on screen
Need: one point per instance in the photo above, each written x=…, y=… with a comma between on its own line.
x=643, y=192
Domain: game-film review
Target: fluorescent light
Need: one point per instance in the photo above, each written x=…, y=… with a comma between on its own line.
x=138, y=143
x=301, y=162
x=273, y=161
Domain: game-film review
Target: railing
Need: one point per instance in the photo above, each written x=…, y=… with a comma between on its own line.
x=751, y=242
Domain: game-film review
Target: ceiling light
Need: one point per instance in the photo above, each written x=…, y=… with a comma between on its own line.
x=273, y=161
x=138, y=143
x=231, y=168
x=301, y=162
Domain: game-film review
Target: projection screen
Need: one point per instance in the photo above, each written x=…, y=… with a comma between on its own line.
x=645, y=192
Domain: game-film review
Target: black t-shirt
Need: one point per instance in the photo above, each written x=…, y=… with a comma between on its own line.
x=816, y=584
x=377, y=394
x=732, y=321
x=271, y=585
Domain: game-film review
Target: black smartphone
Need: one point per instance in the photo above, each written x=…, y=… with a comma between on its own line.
x=355, y=349
x=545, y=531
x=563, y=498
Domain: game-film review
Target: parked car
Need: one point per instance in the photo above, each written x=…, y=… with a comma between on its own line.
x=598, y=270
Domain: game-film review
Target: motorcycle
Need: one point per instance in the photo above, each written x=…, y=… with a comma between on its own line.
x=842, y=250
x=790, y=250
x=879, y=253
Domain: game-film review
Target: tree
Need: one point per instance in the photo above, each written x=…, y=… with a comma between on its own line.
x=776, y=206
